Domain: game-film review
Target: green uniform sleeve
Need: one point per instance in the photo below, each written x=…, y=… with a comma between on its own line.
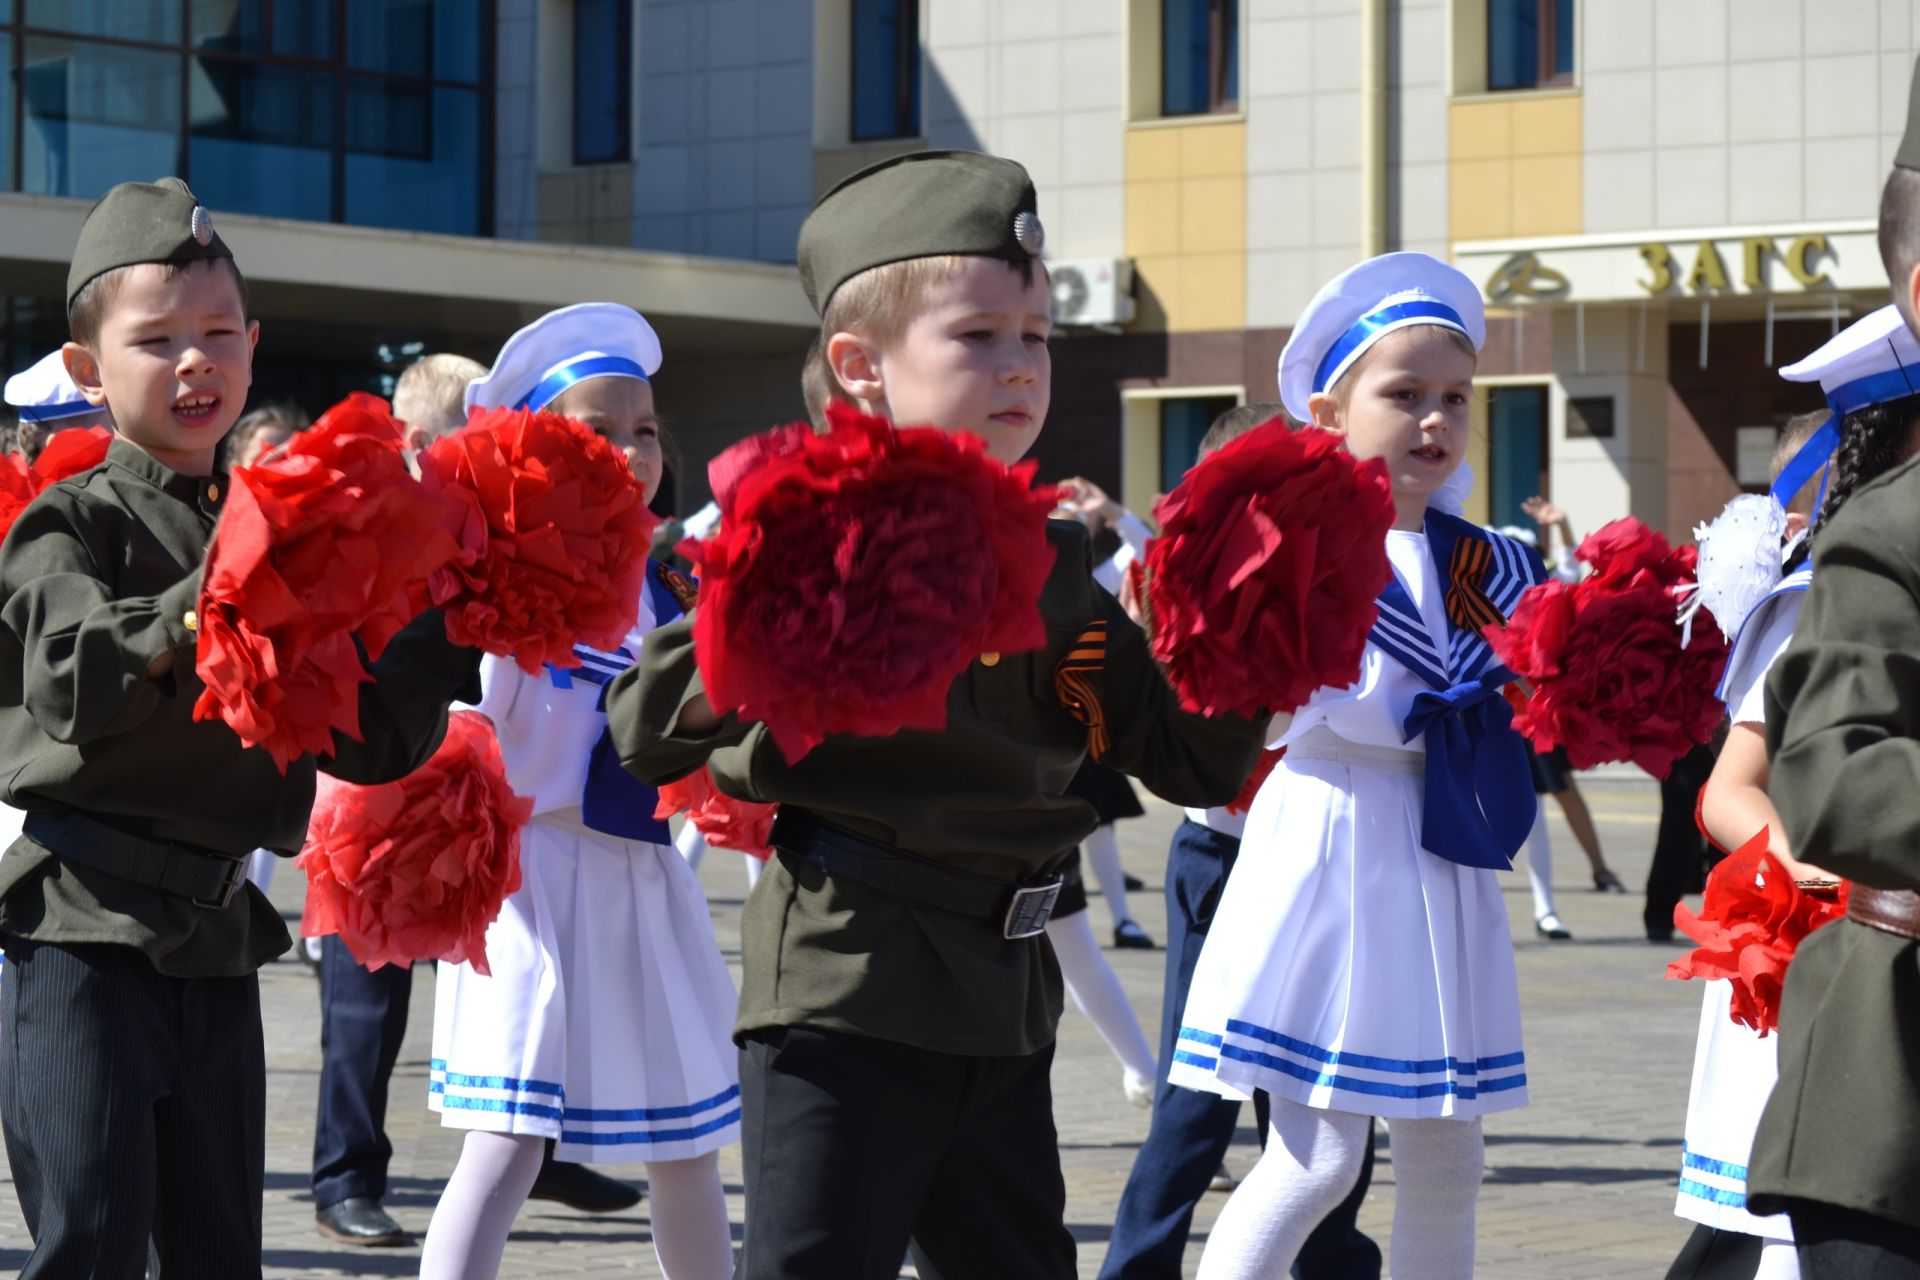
x=84, y=654
x=1843, y=702
x=645, y=702
x=403, y=712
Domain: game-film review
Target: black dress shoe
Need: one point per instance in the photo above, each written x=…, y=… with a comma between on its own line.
x=1129, y=936
x=578, y=1187
x=360, y=1220
x=1133, y=882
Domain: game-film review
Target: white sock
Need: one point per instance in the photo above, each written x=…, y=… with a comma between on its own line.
x=1096, y=989
x=691, y=844
x=754, y=868
x=692, y=1239
x=1778, y=1261
x=469, y=1230
x=1540, y=865
x=1103, y=856
x=1310, y=1164
x=1436, y=1179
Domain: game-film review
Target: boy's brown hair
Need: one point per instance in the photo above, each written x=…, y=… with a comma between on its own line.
x=1236, y=422
x=430, y=394
x=89, y=307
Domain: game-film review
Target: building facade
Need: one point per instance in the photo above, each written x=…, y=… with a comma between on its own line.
x=1664, y=200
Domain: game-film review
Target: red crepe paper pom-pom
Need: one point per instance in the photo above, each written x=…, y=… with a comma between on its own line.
x=725, y=822
x=1263, y=579
x=1750, y=924
x=417, y=869
x=857, y=573
x=1262, y=769
x=1611, y=680
x=67, y=453
x=328, y=538
x=562, y=528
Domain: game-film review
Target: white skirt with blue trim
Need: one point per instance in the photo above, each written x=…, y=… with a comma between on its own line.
x=1734, y=1071
x=1347, y=968
x=607, y=1022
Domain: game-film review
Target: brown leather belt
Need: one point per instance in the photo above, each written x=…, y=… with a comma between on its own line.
x=1888, y=910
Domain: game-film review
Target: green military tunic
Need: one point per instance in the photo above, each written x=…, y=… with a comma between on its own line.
x=98, y=577
x=987, y=795
x=1843, y=730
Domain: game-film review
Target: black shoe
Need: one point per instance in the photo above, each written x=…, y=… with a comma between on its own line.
x=360, y=1220
x=1604, y=881
x=1133, y=882
x=1129, y=936
x=580, y=1188
x=1658, y=936
x=1549, y=926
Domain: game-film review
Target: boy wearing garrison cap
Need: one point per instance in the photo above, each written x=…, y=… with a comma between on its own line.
x=899, y=1000
x=130, y=1039
x=1838, y=1147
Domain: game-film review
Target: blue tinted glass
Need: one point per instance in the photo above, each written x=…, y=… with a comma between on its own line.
x=6, y=109
x=261, y=139
x=303, y=28
x=413, y=157
x=1183, y=424
x=237, y=25
x=1186, y=40
x=1519, y=429
x=155, y=21
x=1513, y=44
x=1230, y=37
x=1563, y=37
x=440, y=38
x=886, y=69
x=96, y=115
x=602, y=99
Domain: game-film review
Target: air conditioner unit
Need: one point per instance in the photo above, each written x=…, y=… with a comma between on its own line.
x=1092, y=291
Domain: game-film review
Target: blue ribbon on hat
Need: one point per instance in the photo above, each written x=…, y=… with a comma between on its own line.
x=1369, y=327
x=49, y=412
x=1875, y=388
x=551, y=386
x=1479, y=804
x=1813, y=456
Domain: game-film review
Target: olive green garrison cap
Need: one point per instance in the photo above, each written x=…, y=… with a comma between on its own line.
x=919, y=205
x=142, y=222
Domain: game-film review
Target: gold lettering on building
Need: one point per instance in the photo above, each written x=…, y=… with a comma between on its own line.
x=1709, y=269
x=1709, y=272
x=1754, y=251
x=1661, y=261
x=1799, y=259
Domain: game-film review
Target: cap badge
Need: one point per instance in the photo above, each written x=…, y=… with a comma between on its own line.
x=201, y=224
x=1028, y=231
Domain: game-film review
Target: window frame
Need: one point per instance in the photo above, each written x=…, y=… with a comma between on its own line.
x=908, y=61
x=1223, y=34
x=1547, y=74
x=623, y=37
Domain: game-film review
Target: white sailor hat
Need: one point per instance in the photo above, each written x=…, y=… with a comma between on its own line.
x=45, y=393
x=1362, y=305
x=573, y=344
x=1871, y=361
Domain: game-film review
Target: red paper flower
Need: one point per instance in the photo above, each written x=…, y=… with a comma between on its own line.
x=1749, y=926
x=1272, y=551
x=67, y=453
x=417, y=869
x=563, y=528
x=1610, y=679
x=1262, y=768
x=329, y=537
x=857, y=573
x=725, y=822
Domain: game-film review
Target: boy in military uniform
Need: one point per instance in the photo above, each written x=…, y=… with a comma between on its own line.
x=899, y=1000
x=130, y=1041
x=1839, y=1144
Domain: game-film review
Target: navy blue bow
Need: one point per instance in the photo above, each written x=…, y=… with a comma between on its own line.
x=1479, y=791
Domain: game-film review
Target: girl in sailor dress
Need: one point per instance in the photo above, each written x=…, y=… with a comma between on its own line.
x=1359, y=963
x=606, y=1021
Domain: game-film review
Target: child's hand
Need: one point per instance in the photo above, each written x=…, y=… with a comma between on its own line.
x=1087, y=502
x=697, y=716
x=1543, y=513
x=160, y=666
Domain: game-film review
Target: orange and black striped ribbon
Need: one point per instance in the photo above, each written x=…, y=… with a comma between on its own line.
x=1073, y=684
x=1467, y=605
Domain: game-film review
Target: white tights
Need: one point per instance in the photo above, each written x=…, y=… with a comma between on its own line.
x=1778, y=1261
x=1540, y=863
x=1096, y=989
x=1102, y=849
x=692, y=1239
x=1309, y=1166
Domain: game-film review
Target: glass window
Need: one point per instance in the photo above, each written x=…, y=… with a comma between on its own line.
x=152, y=21
x=438, y=38
x=95, y=115
x=1199, y=56
x=1183, y=424
x=261, y=138
x=1518, y=448
x=602, y=80
x=6, y=117
x=886, y=69
x=413, y=157
x=300, y=28
x=1529, y=43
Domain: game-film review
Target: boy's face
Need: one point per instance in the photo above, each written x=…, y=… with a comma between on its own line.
x=621, y=411
x=173, y=360
x=1408, y=401
x=973, y=358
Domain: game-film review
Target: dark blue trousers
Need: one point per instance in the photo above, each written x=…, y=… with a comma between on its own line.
x=363, y=1017
x=1191, y=1130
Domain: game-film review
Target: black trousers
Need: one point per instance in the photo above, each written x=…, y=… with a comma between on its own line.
x=1840, y=1244
x=854, y=1146
x=1679, y=850
x=363, y=1019
x=134, y=1107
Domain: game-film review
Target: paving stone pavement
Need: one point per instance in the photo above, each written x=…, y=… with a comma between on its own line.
x=1579, y=1184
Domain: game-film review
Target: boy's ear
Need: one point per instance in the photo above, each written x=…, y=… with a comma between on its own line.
x=1324, y=413
x=856, y=367
x=1798, y=524
x=85, y=372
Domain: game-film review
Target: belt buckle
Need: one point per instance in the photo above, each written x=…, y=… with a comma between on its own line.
x=235, y=877
x=1031, y=908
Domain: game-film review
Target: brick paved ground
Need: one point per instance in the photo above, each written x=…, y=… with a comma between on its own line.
x=1579, y=1184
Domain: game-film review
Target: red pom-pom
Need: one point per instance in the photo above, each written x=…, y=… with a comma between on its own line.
x=1750, y=923
x=329, y=537
x=67, y=453
x=857, y=573
x=1262, y=769
x=1610, y=678
x=563, y=528
x=725, y=822
x=417, y=869
x=1263, y=579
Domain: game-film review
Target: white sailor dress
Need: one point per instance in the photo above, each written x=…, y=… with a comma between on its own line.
x=1734, y=1068
x=1350, y=967
x=607, y=1021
